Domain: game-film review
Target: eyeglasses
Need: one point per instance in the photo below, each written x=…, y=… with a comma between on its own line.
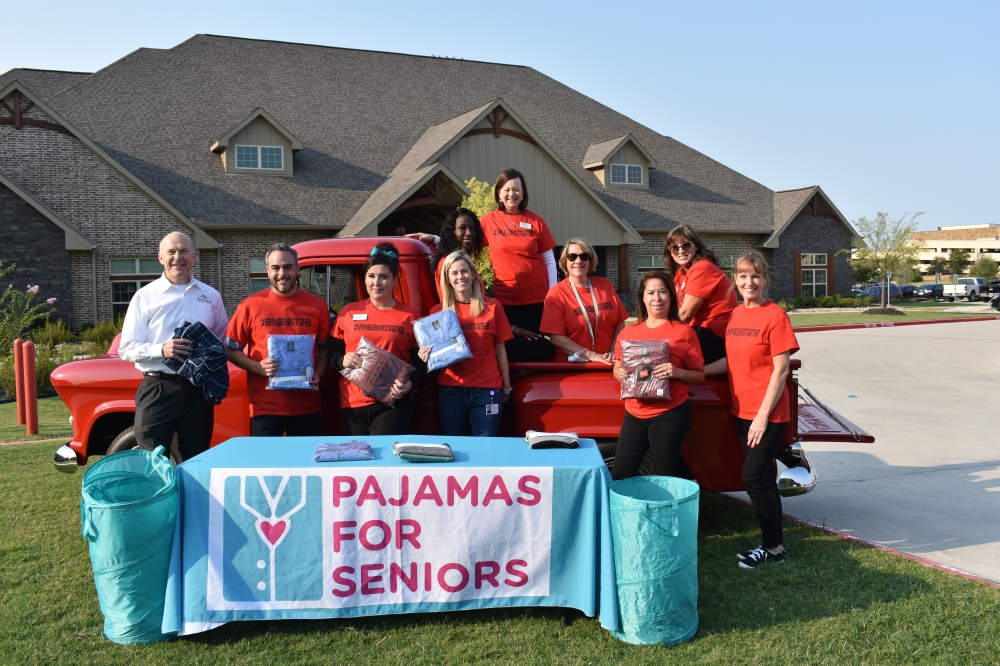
x=572, y=256
x=683, y=247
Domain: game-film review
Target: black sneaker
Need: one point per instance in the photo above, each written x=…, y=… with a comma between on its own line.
x=761, y=556
x=747, y=553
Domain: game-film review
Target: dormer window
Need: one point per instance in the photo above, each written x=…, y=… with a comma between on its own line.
x=626, y=174
x=259, y=157
x=259, y=145
x=620, y=162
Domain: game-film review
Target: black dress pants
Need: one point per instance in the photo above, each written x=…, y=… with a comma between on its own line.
x=281, y=425
x=165, y=404
x=528, y=317
x=760, y=479
x=664, y=434
x=380, y=419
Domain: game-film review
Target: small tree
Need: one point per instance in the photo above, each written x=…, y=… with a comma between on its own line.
x=958, y=259
x=937, y=266
x=19, y=312
x=985, y=267
x=887, y=246
x=480, y=201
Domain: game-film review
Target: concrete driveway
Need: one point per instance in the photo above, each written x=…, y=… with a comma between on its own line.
x=930, y=485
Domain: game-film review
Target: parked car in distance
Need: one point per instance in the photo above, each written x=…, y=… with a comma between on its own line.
x=875, y=291
x=990, y=289
x=968, y=288
x=929, y=292
x=908, y=290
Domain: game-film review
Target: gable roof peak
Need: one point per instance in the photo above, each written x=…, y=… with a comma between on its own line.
x=599, y=153
x=223, y=142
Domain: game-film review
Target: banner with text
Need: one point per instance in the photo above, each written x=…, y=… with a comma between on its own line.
x=346, y=537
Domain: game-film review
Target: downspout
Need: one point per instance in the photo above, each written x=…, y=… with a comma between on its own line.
x=93, y=280
x=219, y=271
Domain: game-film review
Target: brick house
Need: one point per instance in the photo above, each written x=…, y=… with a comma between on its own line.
x=241, y=143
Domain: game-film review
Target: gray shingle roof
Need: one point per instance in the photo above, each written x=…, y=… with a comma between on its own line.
x=596, y=152
x=43, y=82
x=358, y=115
x=788, y=202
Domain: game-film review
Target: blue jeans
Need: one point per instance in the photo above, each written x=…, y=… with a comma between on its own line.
x=463, y=411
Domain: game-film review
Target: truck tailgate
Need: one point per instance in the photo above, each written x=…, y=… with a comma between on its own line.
x=815, y=425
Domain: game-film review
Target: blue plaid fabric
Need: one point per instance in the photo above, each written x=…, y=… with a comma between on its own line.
x=207, y=365
x=443, y=331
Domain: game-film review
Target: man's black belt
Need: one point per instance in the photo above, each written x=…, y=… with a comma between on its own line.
x=168, y=376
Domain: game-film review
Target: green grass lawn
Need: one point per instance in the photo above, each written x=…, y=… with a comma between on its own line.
x=835, y=602
x=835, y=318
x=53, y=421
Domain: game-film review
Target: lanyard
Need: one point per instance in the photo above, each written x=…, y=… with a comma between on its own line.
x=586, y=317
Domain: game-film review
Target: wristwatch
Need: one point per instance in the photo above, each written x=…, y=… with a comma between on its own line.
x=507, y=391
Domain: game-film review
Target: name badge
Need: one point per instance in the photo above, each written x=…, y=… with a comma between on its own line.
x=526, y=225
x=492, y=410
x=359, y=317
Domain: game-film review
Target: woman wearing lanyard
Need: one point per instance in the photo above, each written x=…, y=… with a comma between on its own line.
x=388, y=324
x=759, y=343
x=524, y=269
x=471, y=392
x=583, y=314
x=658, y=424
x=705, y=297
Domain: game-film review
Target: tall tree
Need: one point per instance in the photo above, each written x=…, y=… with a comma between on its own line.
x=958, y=259
x=985, y=267
x=887, y=246
x=937, y=266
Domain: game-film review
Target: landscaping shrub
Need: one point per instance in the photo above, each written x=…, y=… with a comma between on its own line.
x=19, y=312
x=47, y=359
x=102, y=335
x=52, y=334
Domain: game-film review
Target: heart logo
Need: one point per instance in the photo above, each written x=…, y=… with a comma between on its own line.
x=273, y=531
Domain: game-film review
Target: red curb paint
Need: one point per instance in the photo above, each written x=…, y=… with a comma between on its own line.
x=889, y=324
x=872, y=544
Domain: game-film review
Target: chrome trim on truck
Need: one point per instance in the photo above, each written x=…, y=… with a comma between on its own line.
x=65, y=460
x=800, y=477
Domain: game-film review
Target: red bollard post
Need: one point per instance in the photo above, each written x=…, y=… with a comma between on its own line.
x=19, y=380
x=30, y=389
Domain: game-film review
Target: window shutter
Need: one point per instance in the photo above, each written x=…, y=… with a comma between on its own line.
x=623, y=271
x=829, y=273
x=798, y=273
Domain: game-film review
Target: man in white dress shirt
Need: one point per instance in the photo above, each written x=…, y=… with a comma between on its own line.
x=165, y=402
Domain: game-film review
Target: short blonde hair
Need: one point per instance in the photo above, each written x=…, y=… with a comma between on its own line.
x=448, y=292
x=563, y=263
x=752, y=261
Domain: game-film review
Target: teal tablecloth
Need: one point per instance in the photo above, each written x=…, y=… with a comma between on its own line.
x=264, y=532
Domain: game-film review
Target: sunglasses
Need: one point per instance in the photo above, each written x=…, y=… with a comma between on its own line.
x=683, y=247
x=572, y=256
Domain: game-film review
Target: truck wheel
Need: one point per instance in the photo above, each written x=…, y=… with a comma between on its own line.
x=973, y=297
x=607, y=449
x=125, y=441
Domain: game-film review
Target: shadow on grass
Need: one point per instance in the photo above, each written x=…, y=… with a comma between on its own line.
x=824, y=576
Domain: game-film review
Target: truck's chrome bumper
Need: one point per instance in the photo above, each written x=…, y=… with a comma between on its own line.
x=800, y=477
x=66, y=460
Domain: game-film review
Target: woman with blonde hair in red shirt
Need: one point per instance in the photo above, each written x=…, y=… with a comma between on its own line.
x=759, y=345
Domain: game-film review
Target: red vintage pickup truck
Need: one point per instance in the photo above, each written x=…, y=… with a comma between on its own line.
x=548, y=396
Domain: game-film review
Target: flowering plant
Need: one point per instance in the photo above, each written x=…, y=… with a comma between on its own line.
x=19, y=312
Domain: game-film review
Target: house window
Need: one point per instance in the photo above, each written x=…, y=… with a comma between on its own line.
x=626, y=174
x=813, y=277
x=649, y=262
x=727, y=262
x=258, y=275
x=129, y=276
x=259, y=157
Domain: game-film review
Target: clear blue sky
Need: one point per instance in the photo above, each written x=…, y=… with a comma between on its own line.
x=889, y=106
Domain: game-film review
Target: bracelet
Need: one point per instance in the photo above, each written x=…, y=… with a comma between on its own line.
x=507, y=391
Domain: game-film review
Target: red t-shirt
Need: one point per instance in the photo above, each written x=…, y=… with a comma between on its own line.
x=563, y=316
x=266, y=313
x=707, y=281
x=754, y=337
x=482, y=333
x=685, y=352
x=391, y=329
x=516, y=246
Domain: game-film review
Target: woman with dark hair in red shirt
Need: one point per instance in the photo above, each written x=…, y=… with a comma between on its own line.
x=705, y=297
x=759, y=345
x=658, y=424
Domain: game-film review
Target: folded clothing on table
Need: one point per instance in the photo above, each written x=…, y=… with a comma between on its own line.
x=356, y=449
x=443, y=332
x=417, y=452
x=552, y=440
x=378, y=372
x=639, y=357
x=294, y=354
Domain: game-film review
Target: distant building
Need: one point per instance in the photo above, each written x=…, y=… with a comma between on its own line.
x=976, y=239
x=242, y=143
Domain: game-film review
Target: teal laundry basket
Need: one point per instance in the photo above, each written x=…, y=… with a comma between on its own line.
x=654, y=528
x=127, y=516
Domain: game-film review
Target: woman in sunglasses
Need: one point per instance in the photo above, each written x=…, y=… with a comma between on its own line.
x=583, y=314
x=705, y=297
